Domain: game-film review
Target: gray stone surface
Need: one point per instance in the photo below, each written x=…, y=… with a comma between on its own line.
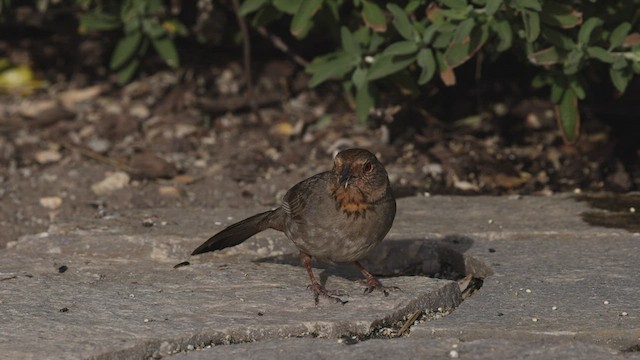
x=121, y=297
x=409, y=348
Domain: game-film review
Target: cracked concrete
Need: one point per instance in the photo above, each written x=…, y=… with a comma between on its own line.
x=554, y=286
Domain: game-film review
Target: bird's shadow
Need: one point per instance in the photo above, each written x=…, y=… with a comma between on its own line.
x=440, y=258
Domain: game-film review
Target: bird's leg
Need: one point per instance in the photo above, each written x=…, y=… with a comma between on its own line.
x=318, y=290
x=372, y=283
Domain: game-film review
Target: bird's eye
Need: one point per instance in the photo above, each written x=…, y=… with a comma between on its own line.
x=367, y=167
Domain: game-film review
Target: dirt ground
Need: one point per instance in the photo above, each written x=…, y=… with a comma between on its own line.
x=172, y=140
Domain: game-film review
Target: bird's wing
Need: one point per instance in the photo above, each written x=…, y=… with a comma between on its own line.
x=297, y=200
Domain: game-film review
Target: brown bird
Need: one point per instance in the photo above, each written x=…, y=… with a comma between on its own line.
x=336, y=216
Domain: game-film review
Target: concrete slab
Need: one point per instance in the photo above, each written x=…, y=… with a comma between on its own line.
x=121, y=298
x=409, y=348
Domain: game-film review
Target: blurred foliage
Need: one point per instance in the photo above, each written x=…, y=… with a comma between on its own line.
x=143, y=23
x=408, y=43
x=403, y=46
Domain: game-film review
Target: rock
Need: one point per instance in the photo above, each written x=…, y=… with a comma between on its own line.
x=147, y=165
x=99, y=145
x=112, y=182
x=47, y=156
x=51, y=202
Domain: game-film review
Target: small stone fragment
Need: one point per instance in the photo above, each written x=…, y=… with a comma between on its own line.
x=170, y=191
x=99, y=145
x=150, y=166
x=112, y=182
x=51, y=202
x=47, y=156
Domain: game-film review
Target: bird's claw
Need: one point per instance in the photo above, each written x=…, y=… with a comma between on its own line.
x=319, y=290
x=372, y=284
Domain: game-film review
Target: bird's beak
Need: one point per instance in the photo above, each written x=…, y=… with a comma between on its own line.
x=345, y=176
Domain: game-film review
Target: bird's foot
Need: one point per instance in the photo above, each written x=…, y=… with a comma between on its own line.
x=372, y=284
x=332, y=295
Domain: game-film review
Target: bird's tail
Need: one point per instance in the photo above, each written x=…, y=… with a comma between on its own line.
x=239, y=232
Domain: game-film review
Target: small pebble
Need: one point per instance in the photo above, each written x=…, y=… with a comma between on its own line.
x=554, y=308
x=490, y=221
x=624, y=313
x=632, y=210
x=528, y=291
x=51, y=202
x=534, y=319
x=453, y=354
x=146, y=320
x=606, y=302
x=99, y=145
x=47, y=156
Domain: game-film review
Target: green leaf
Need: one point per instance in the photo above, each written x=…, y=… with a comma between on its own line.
x=442, y=40
x=375, y=42
x=548, y=56
x=167, y=50
x=373, y=16
x=331, y=66
x=364, y=102
x=429, y=32
x=541, y=80
x=302, y=19
x=534, y=5
x=459, y=52
x=249, y=6
x=455, y=4
x=131, y=25
x=125, y=50
x=557, y=90
x=401, y=48
x=531, y=25
x=359, y=77
x=568, y=116
x=401, y=22
x=447, y=75
x=265, y=16
x=492, y=6
x=126, y=73
x=619, y=63
x=577, y=88
x=152, y=28
x=464, y=29
x=426, y=60
x=349, y=43
x=573, y=61
x=601, y=54
x=584, y=35
x=558, y=39
x=560, y=15
x=505, y=34
x=618, y=35
x=434, y=14
x=100, y=21
x=412, y=6
x=288, y=6
x=620, y=78
x=386, y=64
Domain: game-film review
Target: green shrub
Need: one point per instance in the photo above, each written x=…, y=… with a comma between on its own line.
x=143, y=23
x=410, y=42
